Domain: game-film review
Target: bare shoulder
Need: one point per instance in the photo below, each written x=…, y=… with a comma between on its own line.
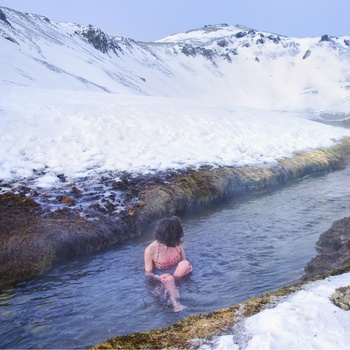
x=151, y=248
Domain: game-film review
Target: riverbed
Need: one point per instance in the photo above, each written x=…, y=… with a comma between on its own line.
x=238, y=249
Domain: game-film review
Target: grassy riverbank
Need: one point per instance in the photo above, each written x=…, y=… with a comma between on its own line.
x=198, y=330
x=32, y=240
x=201, y=188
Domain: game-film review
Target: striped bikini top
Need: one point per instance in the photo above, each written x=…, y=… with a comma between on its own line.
x=160, y=265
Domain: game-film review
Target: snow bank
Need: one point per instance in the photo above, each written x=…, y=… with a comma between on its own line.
x=46, y=133
x=305, y=320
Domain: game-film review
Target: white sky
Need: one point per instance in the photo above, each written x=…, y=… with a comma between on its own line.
x=155, y=19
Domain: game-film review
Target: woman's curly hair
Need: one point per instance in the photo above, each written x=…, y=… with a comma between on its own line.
x=169, y=231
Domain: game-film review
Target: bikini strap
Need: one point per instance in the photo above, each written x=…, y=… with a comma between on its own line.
x=177, y=250
x=158, y=252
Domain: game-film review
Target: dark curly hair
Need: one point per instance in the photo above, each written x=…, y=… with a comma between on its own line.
x=169, y=231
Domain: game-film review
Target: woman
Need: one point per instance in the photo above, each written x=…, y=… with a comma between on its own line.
x=165, y=257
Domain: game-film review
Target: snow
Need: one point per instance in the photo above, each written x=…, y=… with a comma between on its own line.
x=267, y=76
x=206, y=34
x=307, y=319
x=166, y=110
x=48, y=132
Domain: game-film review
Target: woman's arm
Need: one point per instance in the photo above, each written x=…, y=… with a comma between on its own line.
x=182, y=252
x=148, y=256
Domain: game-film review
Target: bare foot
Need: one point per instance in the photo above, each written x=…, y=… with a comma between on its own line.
x=178, y=307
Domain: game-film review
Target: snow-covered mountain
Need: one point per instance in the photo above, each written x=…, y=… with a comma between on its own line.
x=80, y=110
x=77, y=102
x=222, y=64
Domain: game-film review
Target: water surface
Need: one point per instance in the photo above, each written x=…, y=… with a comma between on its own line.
x=238, y=250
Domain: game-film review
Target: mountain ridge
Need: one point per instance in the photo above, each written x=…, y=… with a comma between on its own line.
x=220, y=63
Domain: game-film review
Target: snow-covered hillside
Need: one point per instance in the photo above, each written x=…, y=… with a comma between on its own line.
x=77, y=102
x=218, y=63
x=77, y=105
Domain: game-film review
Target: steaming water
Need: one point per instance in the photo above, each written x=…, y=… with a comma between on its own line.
x=238, y=250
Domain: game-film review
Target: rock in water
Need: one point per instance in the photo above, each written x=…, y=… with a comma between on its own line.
x=333, y=249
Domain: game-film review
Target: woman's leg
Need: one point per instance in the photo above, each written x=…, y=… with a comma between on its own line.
x=183, y=269
x=169, y=285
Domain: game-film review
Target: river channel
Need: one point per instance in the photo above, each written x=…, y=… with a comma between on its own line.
x=238, y=250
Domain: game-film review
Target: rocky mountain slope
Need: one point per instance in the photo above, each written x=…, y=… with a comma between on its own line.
x=220, y=63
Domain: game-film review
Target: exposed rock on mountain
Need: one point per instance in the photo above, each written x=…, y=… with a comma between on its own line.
x=307, y=54
x=2, y=16
x=239, y=63
x=99, y=40
x=325, y=38
x=4, y=19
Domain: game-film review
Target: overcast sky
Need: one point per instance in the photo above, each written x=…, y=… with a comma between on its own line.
x=148, y=20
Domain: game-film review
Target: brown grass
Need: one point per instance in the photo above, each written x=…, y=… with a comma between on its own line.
x=31, y=243
x=202, y=328
x=206, y=187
